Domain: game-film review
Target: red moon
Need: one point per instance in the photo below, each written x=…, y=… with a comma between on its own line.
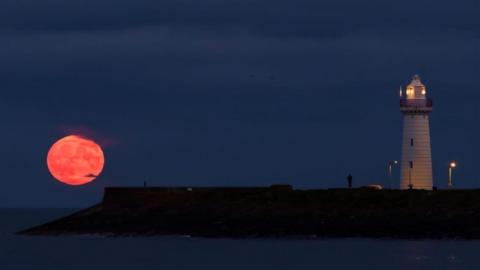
x=75, y=160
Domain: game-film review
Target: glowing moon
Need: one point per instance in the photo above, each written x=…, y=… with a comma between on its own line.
x=75, y=160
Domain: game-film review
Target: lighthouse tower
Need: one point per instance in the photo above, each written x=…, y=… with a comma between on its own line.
x=416, y=165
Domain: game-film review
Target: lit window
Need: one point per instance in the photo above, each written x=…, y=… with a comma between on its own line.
x=410, y=91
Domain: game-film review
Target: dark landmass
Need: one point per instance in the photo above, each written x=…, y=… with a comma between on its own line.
x=277, y=211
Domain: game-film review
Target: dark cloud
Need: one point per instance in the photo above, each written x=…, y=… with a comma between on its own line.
x=297, y=18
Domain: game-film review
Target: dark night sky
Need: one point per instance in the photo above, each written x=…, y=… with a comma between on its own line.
x=237, y=92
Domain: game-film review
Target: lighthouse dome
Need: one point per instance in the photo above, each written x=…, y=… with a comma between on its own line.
x=416, y=89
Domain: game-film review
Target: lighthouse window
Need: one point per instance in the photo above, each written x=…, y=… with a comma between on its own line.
x=411, y=142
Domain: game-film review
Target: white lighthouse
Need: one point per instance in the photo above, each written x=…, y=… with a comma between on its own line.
x=416, y=165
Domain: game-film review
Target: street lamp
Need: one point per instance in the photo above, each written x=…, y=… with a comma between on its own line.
x=391, y=163
x=451, y=166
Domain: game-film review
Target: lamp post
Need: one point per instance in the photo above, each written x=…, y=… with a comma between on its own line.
x=451, y=166
x=391, y=163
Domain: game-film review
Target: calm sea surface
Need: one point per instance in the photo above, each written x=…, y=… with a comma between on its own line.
x=91, y=252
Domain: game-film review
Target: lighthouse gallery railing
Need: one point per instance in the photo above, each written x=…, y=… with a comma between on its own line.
x=412, y=103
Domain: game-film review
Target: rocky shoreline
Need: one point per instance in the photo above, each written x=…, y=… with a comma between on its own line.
x=276, y=212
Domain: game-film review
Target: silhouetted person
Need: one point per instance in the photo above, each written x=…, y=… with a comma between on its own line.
x=349, y=179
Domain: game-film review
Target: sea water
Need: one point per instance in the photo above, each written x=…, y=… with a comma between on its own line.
x=177, y=252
